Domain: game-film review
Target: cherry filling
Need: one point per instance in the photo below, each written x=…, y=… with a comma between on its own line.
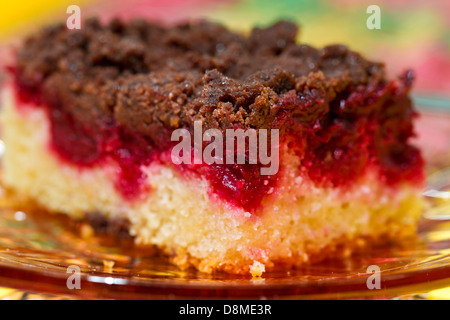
x=88, y=146
x=241, y=185
x=337, y=141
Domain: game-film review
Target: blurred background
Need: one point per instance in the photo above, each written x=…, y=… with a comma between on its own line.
x=414, y=33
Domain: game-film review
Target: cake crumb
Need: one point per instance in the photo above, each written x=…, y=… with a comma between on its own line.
x=108, y=265
x=257, y=269
x=86, y=231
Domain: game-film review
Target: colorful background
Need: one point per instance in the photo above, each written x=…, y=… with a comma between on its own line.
x=414, y=34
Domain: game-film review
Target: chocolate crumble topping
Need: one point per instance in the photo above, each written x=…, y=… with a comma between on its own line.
x=151, y=79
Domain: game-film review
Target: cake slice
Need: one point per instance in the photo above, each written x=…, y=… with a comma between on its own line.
x=89, y=119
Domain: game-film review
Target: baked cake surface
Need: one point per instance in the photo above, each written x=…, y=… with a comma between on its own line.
x=96, y=108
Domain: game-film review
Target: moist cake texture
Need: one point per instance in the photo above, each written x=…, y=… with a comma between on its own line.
x=95, y=108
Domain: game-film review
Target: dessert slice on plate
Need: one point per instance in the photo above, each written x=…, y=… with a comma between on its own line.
x=89, y=119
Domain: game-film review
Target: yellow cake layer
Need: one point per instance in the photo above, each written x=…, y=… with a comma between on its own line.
x=299, y=222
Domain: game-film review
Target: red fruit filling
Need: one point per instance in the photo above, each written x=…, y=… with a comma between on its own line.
x=337, y=140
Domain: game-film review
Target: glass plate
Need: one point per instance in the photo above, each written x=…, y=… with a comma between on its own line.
x=36, y=251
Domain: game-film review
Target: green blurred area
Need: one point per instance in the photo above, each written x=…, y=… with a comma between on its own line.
x=324, y=22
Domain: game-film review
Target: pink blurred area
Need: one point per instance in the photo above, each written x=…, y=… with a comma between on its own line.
x=433, y=72
x=430, y=62
x=433, y=137
x=167, y=11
